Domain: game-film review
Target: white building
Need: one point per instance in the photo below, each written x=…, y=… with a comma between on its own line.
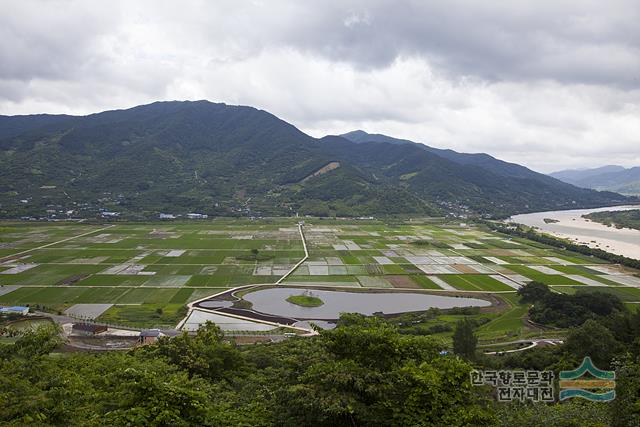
x=14, y=310
x=197, y=216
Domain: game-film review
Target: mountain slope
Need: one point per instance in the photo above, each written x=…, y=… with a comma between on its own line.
x=179, y=157
x=575, y=175
x=450, y=183
x=482, y=160
x=611, y=178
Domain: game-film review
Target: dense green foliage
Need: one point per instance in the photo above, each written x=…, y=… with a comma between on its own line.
x=575, y=413
x=464, y=340
x=626, y=406
x=362, y=373
x=563, y=310
x=180, y=157
x=602, y=327
x=618, y=219
x=612, y=343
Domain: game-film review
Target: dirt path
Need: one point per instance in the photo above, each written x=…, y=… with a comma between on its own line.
x=306, y=256
x=195, y=304
x=532, y=343
x=54, y=243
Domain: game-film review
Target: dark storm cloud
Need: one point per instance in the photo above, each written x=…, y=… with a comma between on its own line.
x=577, y=42
x=568, y=41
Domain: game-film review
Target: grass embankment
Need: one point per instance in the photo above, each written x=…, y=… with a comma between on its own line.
x=145, y=315
x=305, y=301
x=507, y=323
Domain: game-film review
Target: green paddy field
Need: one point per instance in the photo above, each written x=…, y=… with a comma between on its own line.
x=147, y=272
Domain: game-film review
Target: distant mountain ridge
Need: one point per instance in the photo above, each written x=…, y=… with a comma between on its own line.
x=608, y=178
x=578, y=174
x=198, y=156
x=482, y=160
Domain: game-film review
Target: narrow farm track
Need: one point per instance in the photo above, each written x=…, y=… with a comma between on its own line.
x=55, y=243
x=306, y=256
x=531, y=344
x=194, y=304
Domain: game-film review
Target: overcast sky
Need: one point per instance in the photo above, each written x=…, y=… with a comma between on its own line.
x=548, y=84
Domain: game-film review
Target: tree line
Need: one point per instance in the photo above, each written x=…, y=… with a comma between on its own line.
x=528, y=233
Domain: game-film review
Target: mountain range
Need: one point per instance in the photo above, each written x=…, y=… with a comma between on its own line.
x=611, y=178
x=197, y=156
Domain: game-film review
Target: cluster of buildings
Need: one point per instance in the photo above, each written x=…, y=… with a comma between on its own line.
x=188, y=216
x=146, y=336
x=23, y=311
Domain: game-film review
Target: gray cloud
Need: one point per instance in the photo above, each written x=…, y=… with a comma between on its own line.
x=51, y=39
x=547, y=84
x=559, y=40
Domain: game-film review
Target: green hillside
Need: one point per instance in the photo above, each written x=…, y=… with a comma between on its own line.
x=608, y=178
x=180, y=157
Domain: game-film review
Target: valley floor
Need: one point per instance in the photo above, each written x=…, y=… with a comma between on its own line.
x=144, y=274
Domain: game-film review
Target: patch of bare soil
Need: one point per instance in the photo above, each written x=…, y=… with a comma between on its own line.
x=73, y=279
x=327, y=168
x=501, y=252
x=402, y=282
x=247, y=340
x=159, y=234
x=465, y=269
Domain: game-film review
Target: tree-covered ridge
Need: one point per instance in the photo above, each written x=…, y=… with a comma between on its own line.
x=563, y=310
x=618, y=219
x=363, y=373
x=611, y=178
x=217, y=159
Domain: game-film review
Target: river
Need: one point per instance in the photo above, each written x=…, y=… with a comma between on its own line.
x=573, y=226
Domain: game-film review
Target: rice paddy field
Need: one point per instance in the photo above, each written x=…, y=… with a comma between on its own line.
x=141, y=272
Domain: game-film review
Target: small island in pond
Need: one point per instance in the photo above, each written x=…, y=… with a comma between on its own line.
x=306, y=300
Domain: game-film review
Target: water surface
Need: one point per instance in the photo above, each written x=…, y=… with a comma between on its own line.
x=571, y=225
x=273, y=301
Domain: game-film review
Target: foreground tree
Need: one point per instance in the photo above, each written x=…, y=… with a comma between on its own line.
x=465, y=340
x=33, y=343
x=573, y=413
x=594, y=340
x=205, y=354
x=533, y=291
x=625, y=408
x=107, y=389
x=373, y=376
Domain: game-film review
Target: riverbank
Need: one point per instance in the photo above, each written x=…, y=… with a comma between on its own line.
x=572, y=225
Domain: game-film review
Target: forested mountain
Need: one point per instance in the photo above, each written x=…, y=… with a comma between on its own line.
x=179, y=157
x=483, y=160
x=574, y=175
x=611, y=178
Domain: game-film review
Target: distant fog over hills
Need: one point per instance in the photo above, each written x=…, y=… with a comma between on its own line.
x=610, y=178
x=178, y=157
